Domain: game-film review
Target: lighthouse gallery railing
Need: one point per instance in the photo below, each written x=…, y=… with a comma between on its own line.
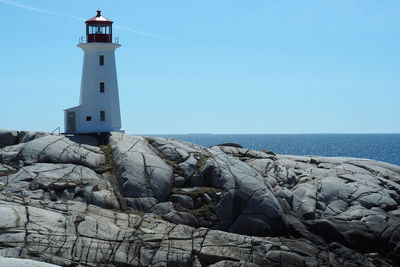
x=83, y=40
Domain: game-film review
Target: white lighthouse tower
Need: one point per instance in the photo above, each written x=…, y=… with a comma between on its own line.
x=98, y=109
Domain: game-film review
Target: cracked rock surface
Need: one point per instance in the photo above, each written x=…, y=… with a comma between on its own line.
x=148, y=201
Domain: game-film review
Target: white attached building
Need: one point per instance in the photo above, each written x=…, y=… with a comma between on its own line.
x=98, y=109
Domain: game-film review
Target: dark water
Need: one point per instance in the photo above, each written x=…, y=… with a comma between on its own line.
x=382, y=147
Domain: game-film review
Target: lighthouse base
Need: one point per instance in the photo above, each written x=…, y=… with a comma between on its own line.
x=78, y=121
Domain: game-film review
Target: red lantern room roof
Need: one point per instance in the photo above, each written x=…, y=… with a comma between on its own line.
x=99, y=19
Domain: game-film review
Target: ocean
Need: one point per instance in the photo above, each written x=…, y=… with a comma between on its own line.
x=381, y=147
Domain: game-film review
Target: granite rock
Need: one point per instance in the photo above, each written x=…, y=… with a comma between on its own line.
x=158, y=201
x=141, y=172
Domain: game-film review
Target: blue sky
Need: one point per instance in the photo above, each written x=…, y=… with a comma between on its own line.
x=211, y=66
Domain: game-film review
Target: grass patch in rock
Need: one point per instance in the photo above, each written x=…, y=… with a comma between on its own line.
x=8, y=172
x=196, y=192
x=173, y=164
x=134, y=212
x=207, y=210
x=201, y=160
x=381, y=260
x=206, y=214
x=203, y=210
x=108, y=165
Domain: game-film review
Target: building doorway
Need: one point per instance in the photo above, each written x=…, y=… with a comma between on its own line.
x=71, y=122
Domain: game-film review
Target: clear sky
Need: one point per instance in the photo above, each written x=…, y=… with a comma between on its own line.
x=211, y=66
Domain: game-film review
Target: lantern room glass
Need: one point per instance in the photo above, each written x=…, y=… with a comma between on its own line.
x=99, y=29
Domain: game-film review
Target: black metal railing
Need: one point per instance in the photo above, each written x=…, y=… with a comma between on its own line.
x=92, y=39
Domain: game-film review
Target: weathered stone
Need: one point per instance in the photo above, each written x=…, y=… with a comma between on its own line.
x=243, y=153
x=189, y=167
x=304, y=200
x=62, y=181
x=172, y=149
x=247, y=200
x=198, y=202
x=207, y=199
x=26, y=136
x=141, y=172
x=59, y=204
x=163, y=208
x=184, y=200
x=52, y=149
x=179, y=181
x=8, y=138
x=83, y=139
x=141, y=203
x=178, y=217
x=12, y=262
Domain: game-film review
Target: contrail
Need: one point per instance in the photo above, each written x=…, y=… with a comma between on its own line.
x=40, y=10
x=146, y=34
x=155, y=36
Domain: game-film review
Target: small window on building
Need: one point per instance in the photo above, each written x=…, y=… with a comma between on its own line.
x=88, y=118
x=101, y=87
x=102, y=115
x=101, y=60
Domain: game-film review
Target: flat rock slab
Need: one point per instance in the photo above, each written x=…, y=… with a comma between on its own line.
x=59, y=149
x=61, y=182
x=53, y=149
x=12, y=262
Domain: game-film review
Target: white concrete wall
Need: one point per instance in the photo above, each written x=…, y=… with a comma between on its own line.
x=92, y=101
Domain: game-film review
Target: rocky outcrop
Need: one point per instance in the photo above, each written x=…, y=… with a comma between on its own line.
x=12, y=262
x=142, y=174
x=153, y=201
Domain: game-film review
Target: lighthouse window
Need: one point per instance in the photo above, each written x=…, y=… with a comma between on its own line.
x=101, y=60
x=102, y=115
x=99, y=29
x=88, y=118
x=101, y=87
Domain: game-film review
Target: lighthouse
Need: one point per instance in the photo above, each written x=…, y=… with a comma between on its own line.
x=98, y=109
